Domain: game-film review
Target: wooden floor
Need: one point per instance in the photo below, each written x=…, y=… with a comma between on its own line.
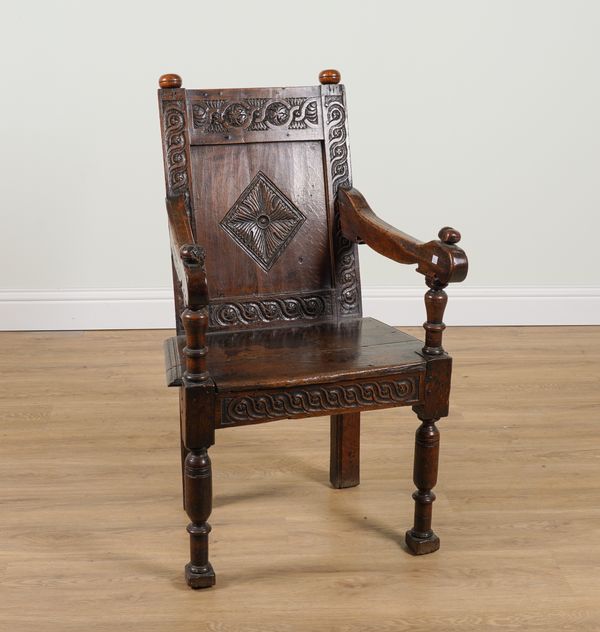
x=92, y=533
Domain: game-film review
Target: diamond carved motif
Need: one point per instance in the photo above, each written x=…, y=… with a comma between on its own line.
x=263, y=221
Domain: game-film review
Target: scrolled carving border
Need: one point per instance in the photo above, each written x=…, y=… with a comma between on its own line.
x=346, y=269
x=174, y=120
x=313, y=400
x=268, y=310
x=176, y=161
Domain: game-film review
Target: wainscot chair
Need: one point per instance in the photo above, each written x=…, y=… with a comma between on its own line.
x=264, y=227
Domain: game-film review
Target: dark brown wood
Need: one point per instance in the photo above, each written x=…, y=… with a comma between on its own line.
x=344, y=461
x=296, y=355
x=184, y=452
x=188, y=257
x=195, y=323
x=441, y=260
x=330, y=76
x=198, y=505
x=254, y=115
x=421, y=539
x=435, y=304
x=265, y=227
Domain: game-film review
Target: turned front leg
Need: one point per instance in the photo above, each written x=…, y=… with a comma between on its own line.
x=198, y=505
x=421, y=539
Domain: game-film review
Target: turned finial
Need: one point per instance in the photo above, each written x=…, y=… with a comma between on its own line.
x=330, y=76
x=449, y=235
x=170, y=81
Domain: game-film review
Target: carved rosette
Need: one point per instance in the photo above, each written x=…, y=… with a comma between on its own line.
x=312, y=400
x=263, y=221
x=288, y=308
x=219, y=115
x=346, y=268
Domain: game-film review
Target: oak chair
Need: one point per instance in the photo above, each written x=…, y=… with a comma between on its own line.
x=264, y=227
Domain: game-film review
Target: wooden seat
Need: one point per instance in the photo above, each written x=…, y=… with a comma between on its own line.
x=265, y=227
x=354, y=362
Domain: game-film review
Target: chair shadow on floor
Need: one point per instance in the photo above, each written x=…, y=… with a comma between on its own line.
x=343, y=509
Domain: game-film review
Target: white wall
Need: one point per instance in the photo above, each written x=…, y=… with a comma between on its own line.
x=483, y=115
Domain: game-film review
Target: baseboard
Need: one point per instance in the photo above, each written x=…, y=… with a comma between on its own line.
x=471, y=306
x=22, y=310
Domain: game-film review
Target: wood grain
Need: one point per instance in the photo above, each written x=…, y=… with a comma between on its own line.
x=261, y=179
x=91, y=527
x=296, y=169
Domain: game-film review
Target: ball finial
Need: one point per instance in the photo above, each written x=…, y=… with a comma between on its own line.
x=330, y=76
x=170, y=81
x=449, y=235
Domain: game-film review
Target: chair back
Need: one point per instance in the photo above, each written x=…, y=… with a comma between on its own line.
x=260, y=169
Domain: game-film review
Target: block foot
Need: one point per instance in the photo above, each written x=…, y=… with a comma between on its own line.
x=422, y=546
x=199, y=576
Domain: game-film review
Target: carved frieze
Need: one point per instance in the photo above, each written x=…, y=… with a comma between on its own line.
x=267, y=310
x=217, y=116
x=319, y=398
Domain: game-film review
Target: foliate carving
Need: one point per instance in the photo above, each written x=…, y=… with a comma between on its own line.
x=269, y=310
x=174, y=126
x=345, y=251
x=216, y=116
x=316, y=399
x=263, y=221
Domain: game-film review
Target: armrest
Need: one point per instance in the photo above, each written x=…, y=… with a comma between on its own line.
x=441, y=261
x=188, y=257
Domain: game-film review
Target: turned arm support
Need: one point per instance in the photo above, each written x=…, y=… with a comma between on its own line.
x=188, y=259
x=440, y=261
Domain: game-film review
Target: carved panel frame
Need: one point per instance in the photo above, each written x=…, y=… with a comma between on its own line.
x=312, y=400
x=327, y=122
x=176, y=155
x=254, y=115
x=249, y=311
x=339, y=174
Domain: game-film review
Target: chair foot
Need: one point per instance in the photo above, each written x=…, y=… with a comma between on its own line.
x=199, y=576
x=421, y=539
x=422, y=546
x=198, y=503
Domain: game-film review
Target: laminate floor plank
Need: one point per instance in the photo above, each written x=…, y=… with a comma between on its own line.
x=92, y=533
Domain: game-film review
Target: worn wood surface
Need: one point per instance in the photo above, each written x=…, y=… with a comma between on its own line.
x=91, y=522
x=259, y=170
x=327, y=352
x=264, y=223
x=441, y=259
x=288, y=179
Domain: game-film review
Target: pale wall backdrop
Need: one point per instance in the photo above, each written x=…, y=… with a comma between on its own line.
x=482, y=115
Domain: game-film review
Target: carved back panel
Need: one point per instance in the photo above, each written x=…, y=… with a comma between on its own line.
x=261, y=168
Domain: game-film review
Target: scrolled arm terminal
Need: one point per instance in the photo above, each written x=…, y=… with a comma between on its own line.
x=440, y=261
x=188, y=257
